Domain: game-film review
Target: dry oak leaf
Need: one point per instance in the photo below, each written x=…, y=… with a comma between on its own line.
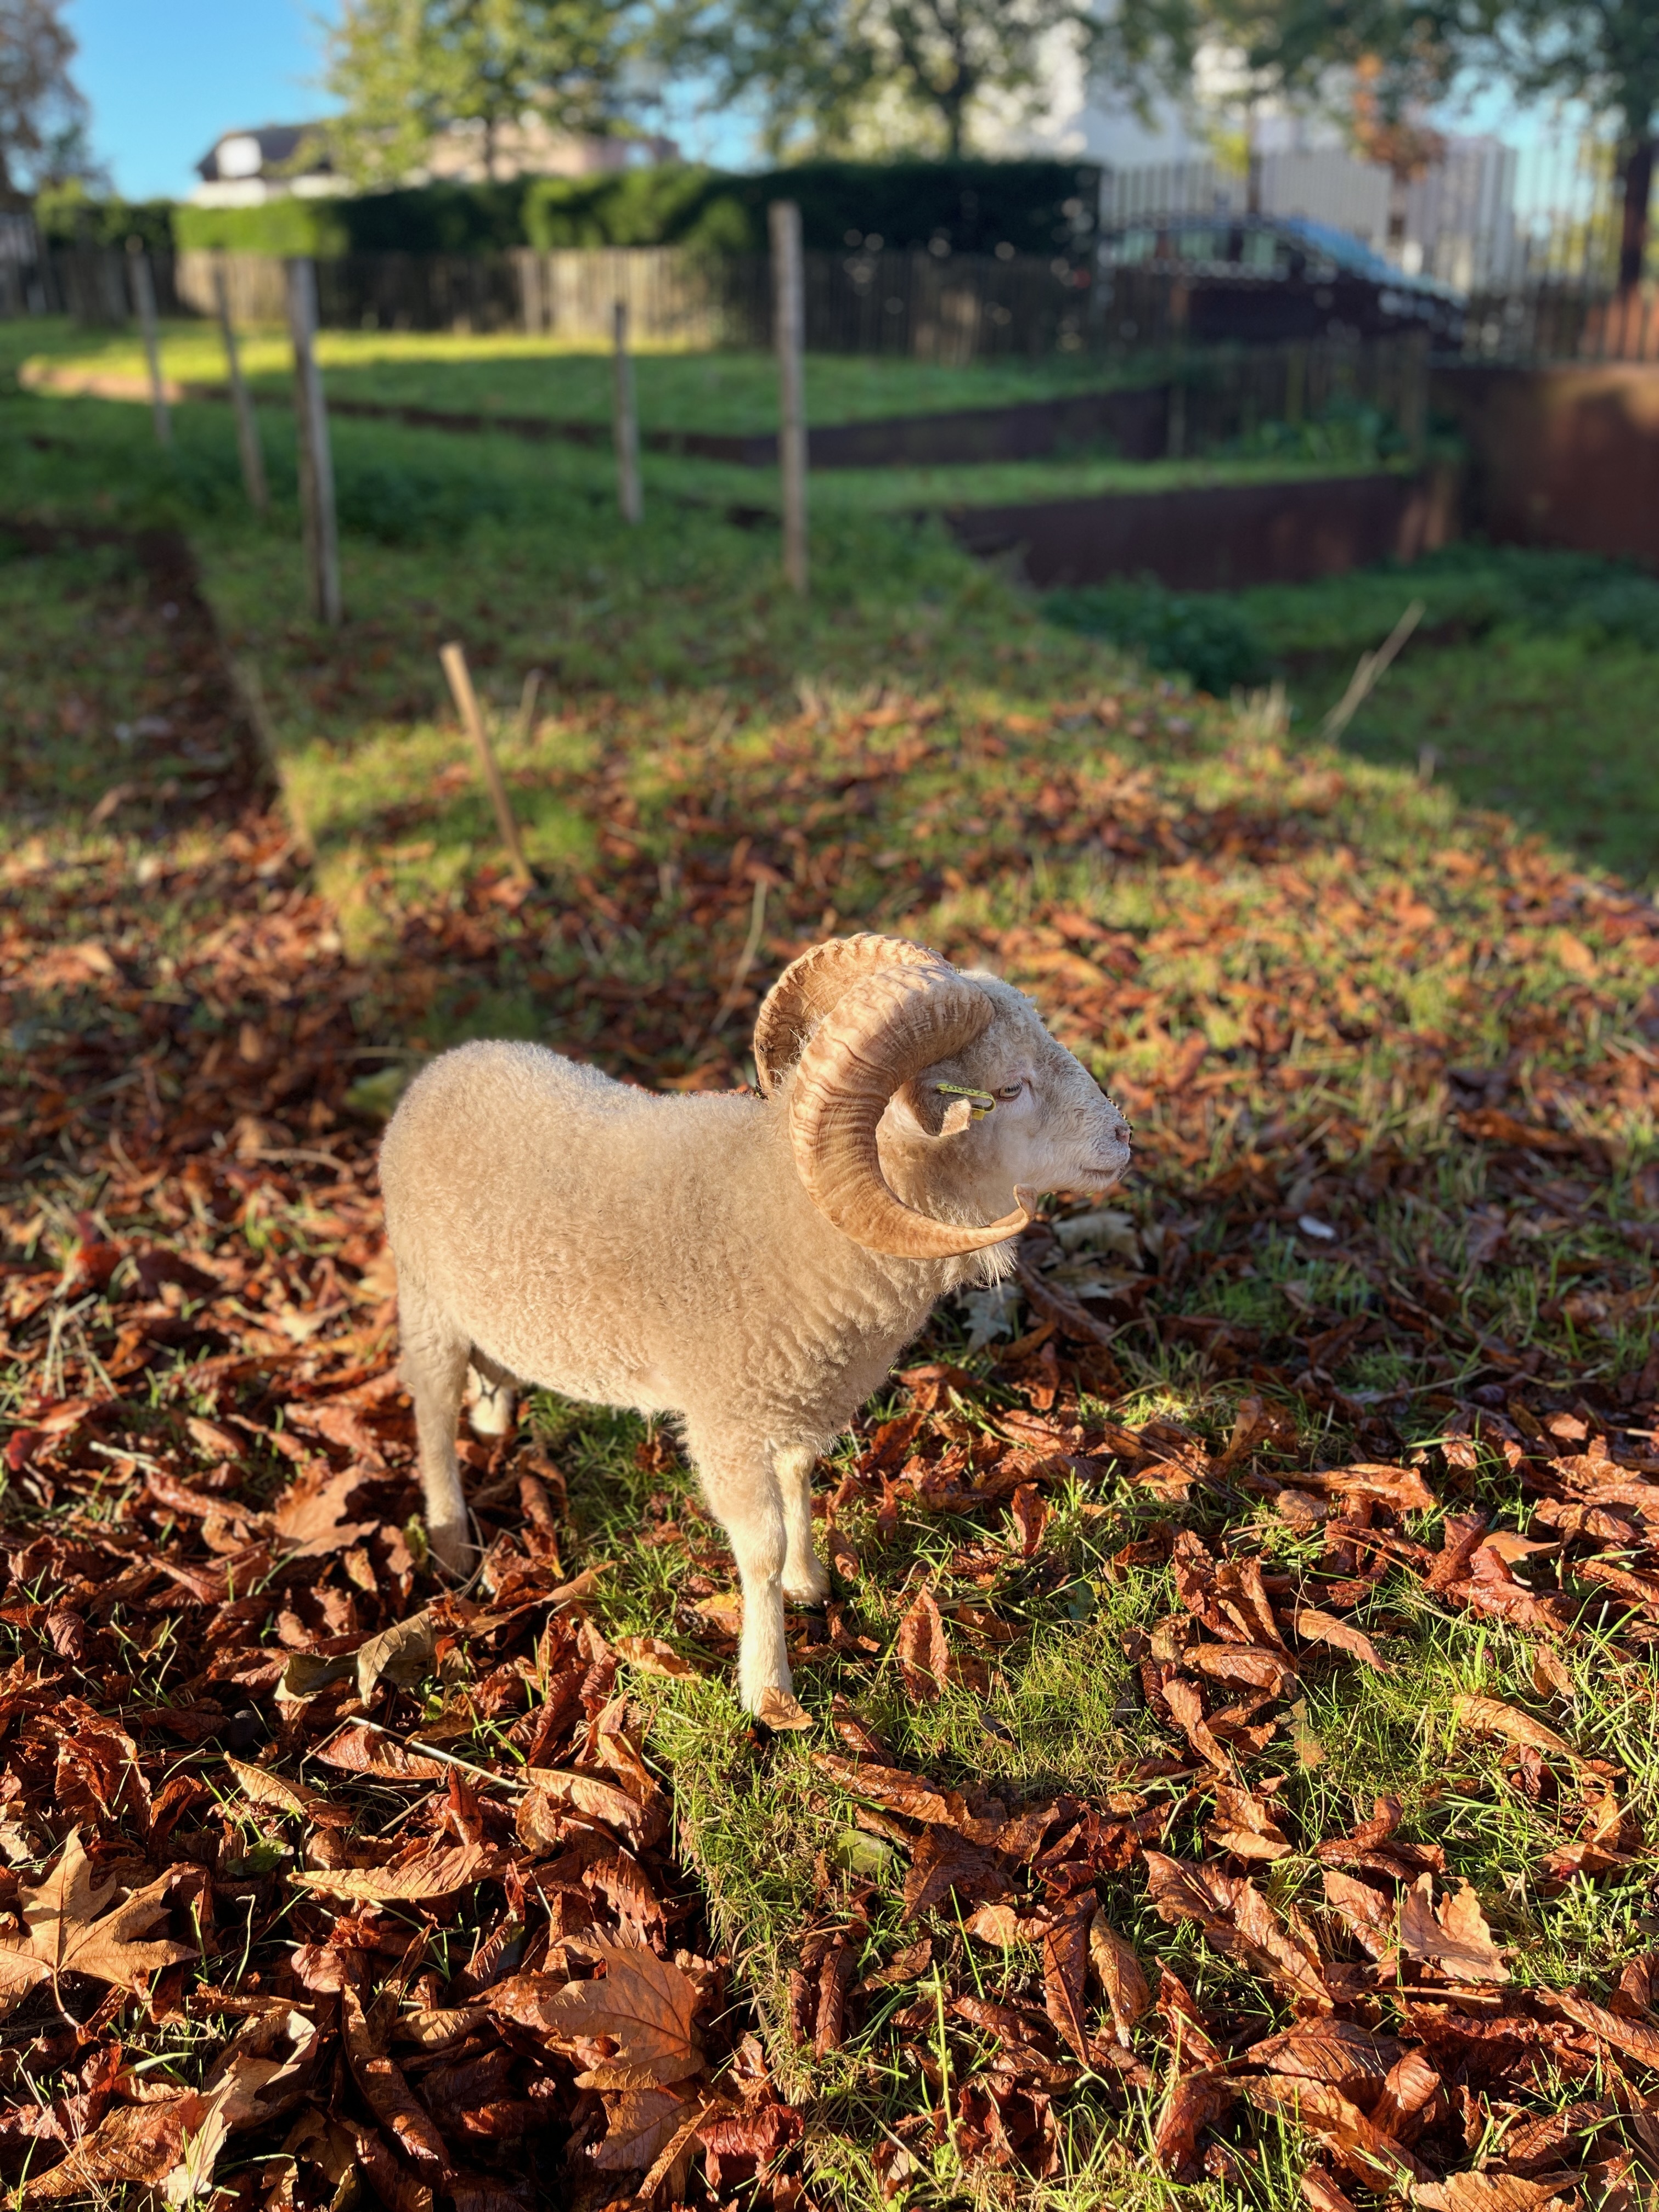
x=1401, y=1488
x=780, y=1710
x=401, y=1654
x=132, y=2144
x=393, y=2103
x=643, y=2005
x=1003, y=1925
x=1245, y=1824
x=434, y=1875
x=639, y=2122
x=651, y=1655
x=1325, y=1628
x=1487, y=2192
x=1492, y=1716
x=309, y=1516
x=1236, y=1919
x=1120, y=1976
x=894, y=1787
x=359, y=1749
x=1630, y=2036
x=1066, y=1973
x=1368, y=2152
x=1193, y=2101
x=260, y=1786
x=557, y=1792
x=923, y=1655
x=1243, y=1662
x=1457, y=1939
x=74, y=1928
x=1367, y=1912
x=1348, y=2056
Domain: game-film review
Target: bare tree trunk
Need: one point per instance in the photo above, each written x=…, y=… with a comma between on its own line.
x=1633, y=228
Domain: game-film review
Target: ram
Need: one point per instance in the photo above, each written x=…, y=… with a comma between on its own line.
x=749, y=1265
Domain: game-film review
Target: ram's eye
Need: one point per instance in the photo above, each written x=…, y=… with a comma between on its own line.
x=1008, y=1090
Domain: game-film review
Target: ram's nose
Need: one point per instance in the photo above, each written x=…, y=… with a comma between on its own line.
x=1112, y=1149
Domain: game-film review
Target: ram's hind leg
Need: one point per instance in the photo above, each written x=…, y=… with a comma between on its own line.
x=805, y=1580
x=744, y=1496
x=433, y=1368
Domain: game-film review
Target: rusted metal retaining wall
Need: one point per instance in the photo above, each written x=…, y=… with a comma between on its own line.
x=1222, y=536
x=1565, y=455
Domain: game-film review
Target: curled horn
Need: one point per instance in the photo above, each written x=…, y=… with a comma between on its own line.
x=886, y=1028
x=811, y=988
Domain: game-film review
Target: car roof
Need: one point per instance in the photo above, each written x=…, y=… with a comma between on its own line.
x=1350, y=254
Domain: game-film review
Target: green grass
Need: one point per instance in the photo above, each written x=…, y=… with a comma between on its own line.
x=1528, y=685
x=916, y=749
x=510, y=374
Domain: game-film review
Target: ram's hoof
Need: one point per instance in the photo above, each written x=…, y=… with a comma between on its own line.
x=452, y=1551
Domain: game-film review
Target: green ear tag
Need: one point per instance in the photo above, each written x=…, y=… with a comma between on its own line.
x=980, y=1102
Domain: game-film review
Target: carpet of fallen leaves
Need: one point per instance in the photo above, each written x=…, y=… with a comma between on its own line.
x=267, y=1927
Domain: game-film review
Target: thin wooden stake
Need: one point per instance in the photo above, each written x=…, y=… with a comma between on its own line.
x=1368, y=669
x=466, y=706
x=789, y=297
x=527, y=697
x=144, y=299
x=316, y=462
x=625, y=420
x=245, y=676
x=247, y=430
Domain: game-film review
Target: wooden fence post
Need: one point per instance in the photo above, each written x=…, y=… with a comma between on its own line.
x=453, y=658
x=144, y=299
x=316, y=463
x=789, y=324
x=247, y=430
x=625, y=419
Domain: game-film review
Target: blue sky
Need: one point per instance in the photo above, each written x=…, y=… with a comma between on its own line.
x=165, y=77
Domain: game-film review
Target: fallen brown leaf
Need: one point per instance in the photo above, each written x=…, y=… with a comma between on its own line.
x=653, y=1655
x=1456, y=1940
x=923, y=1653
x=1492, y=1716
x=642, y=2005
x=75, y=1926
x=1325, y=1628
x=434, y=1875
x=1120, y=1976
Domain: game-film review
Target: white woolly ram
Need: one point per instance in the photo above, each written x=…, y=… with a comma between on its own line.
x=751, y=1265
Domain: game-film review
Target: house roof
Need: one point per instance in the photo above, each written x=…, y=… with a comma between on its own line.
x=272, y=146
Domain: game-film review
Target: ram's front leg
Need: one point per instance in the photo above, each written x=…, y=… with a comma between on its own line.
x=745, y=1498
x=805, y=1579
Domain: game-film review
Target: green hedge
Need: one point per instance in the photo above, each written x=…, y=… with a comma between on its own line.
x=67, y=215
x=971, y=206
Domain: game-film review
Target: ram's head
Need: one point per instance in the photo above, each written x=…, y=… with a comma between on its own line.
x=873, y=1037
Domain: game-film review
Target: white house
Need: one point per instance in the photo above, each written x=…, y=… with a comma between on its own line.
x=244, y=168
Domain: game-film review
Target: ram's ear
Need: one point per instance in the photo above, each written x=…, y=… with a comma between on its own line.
x=932, y=1111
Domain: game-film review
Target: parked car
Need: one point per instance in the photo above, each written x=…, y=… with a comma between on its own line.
x=1261, y=278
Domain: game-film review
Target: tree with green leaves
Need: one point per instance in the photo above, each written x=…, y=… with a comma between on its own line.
x=43, y=117
x=407, y=69
x=818, y=68
x=1406, y=53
